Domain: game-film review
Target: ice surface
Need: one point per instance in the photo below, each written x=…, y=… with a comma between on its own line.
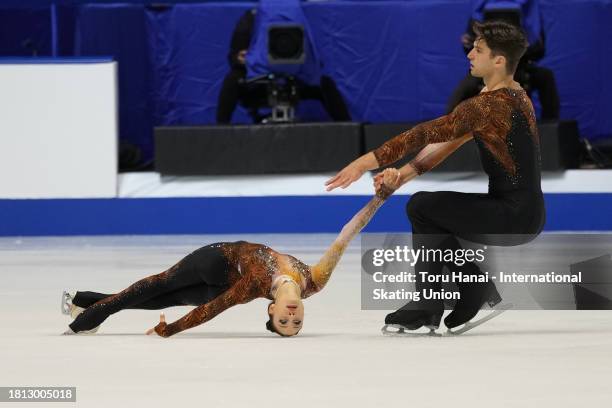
x=521, y=359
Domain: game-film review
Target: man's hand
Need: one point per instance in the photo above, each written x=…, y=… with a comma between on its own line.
x=386, y=182
x=160, y=329
x=241, y=57
x=345, y=177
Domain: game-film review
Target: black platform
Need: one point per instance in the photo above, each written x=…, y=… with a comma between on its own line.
x=319, y=147
x=256, y=149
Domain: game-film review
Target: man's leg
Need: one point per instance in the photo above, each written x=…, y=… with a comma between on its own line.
x=330, y=98
x=228, y=96
x=333, y=100
x=543, y=80
x=425, y=234
x=478, y=218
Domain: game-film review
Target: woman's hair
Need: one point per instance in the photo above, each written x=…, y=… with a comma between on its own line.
x=270, y=324
x=503, y=39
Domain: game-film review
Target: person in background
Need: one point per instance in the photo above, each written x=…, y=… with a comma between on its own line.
x=528, y=73
x=311, y=84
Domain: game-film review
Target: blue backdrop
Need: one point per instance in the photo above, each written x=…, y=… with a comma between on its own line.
x=392, y=60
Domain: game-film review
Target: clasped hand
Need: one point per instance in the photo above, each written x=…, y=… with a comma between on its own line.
x=387, y=181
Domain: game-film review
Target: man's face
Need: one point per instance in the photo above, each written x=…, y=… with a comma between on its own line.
x=482, y=64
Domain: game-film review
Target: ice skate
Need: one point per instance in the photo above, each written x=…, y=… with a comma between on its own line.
x=499, y=309
x=68, y=308
x=405, y=319
x=66, y=303
x=473, y=297
x=401, y=331
x=70, y=332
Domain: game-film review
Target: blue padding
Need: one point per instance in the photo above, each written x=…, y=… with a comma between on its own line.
x=54, y=30
x=565, y=212
x=579, y=51
x=121, y=31
x=24, y=32
x=58, y=60
x=530, y=14
x=394, y=61
x=189, y=44
x=37, y=3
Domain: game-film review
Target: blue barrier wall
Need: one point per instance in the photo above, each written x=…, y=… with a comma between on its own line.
x=225, y=215
x=392, y=60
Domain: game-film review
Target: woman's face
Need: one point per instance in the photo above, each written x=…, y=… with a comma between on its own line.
x=287, y=315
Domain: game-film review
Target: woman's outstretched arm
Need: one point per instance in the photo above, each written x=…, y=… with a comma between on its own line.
x=322, y=271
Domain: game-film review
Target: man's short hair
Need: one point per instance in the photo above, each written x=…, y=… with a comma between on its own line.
x=503, y=39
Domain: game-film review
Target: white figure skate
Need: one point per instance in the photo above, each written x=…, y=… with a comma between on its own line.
x=68, y=308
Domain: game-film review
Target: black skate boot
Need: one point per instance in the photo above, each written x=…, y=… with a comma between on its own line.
x=410, y=318
x=473, y=297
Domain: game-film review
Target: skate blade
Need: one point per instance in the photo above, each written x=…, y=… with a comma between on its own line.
x=402, y=331
x=65, y=304
x=472, y=324
x=81, y=333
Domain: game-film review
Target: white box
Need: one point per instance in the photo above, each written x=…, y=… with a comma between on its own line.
x=58, y=130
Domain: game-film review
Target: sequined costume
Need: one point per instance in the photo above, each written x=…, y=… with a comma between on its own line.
x=213, y=278
x=219, y=276
x=502, y=123
x=222, y=275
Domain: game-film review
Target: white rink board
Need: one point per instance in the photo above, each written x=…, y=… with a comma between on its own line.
x=58, y=130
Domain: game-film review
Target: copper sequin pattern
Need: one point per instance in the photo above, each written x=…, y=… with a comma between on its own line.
x=498, y=121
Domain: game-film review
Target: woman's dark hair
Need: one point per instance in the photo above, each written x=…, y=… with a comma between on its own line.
x=503, y=39
x=270, y=325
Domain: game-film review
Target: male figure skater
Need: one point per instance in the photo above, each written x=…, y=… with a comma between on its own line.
x=502, y=122
x=529, y=73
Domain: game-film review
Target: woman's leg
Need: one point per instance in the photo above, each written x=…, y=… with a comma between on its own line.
x=85, y=299
x=204, y=267
x=189, y=296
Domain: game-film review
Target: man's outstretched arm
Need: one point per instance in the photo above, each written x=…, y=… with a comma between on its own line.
x=468, y=116
x=429, y=157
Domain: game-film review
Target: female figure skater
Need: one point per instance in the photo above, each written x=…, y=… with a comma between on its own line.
x=221, y=275
x=501, y=120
